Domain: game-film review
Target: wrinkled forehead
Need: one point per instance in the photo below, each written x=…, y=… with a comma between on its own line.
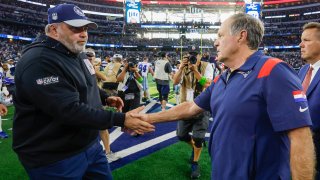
x=225, y=26
x=311, y=33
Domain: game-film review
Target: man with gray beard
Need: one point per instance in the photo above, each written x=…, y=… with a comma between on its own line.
x=58, y=107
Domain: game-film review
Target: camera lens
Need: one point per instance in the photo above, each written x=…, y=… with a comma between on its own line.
x=193, y=59
x=131, y=64
x=89, y=54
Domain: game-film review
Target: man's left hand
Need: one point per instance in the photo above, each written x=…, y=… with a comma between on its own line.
x=116, y=102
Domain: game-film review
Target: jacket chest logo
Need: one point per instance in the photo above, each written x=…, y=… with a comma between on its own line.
x=47, y=80
x=244, y=73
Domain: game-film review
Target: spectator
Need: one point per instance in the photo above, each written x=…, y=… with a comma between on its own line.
x=162, y=74
x=310, y=77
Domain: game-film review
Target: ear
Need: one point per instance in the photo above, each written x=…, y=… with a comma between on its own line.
x=53, y=30
x=242, y=36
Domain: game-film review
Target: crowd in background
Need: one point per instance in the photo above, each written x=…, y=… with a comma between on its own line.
x=28, y=20
x=11, y=49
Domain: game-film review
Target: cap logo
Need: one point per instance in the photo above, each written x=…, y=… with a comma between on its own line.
x=54, y=16
x=78, y=11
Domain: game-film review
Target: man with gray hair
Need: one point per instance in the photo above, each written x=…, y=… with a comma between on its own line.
x=310, y=77
x=58, y=110
x=262, y=126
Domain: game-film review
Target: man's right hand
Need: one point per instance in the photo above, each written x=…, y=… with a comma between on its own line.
x=126, y=66
x=3, y=110
x=136, y=124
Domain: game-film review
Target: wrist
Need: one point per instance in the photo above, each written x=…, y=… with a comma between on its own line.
x=149, y=119
x=202, y=81
x=140, y=79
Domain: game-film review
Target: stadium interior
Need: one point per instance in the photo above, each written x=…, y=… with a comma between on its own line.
x=172, y=26
x=165, y=25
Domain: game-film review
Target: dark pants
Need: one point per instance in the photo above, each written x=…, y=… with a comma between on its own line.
x=163, y=92
x=90, y=164
x=198, y=125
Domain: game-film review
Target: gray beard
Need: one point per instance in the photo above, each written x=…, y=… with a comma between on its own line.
x=76, y=49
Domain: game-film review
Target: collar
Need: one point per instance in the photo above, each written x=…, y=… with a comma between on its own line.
x=251, y=61
x=50, y=43
x=247, y=66
x=316, y=65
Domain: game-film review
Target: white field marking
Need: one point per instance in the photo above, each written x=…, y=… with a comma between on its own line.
x=115, y=134
x=139, y=147
x=169, y=105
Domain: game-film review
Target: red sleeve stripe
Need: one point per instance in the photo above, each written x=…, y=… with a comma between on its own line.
x=216, y=79
x=297, y=92
x=268, y=66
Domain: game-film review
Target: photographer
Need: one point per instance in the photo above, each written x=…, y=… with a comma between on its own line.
x=194, y=76
x=110, y=84
x=130, y=85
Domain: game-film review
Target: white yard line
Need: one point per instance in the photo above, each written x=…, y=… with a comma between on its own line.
x=139, y=147
x=116, y=133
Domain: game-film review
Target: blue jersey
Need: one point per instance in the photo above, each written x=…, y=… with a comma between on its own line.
x=252, y=111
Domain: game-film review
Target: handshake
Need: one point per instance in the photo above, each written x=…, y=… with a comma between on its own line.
x=134, y=119
x=138, y=122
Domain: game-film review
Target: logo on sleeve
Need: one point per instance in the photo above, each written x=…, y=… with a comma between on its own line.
x=47, y=80
x=299, y=96
x=303, y=109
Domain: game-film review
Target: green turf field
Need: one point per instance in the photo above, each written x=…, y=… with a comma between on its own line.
x=168, y=163
x=10, y=168
x=171, y=163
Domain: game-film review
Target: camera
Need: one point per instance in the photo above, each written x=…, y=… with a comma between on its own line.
x=192, y=57
x=90, y=54
x=132, y=62
x=160, y=54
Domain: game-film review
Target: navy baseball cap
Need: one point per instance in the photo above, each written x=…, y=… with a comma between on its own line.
x=69, y=14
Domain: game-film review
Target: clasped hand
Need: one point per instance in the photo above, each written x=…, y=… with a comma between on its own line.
x=138, y=122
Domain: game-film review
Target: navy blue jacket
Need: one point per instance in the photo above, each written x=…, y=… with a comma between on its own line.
x=58, y=110
x=313, y=96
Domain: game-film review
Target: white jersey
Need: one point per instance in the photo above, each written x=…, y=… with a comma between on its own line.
x=104, y=64
x=2, y=75
x=144, y=68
